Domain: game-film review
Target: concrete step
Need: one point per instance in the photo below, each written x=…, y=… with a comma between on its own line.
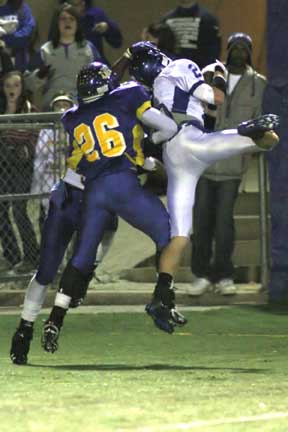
x=247, y=204
x=246, y=254
x=243, y=274
x=125, y=292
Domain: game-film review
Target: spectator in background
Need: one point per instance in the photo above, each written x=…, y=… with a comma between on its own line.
x=17, y=151
x=217, y=189
x=6, y=63
x=50, y=154
x=61, y=58
x=162, y=36
x=97, y=26
x=16, y=29
x=196, y=31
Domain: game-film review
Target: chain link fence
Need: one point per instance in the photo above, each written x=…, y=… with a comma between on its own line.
x=33, y=149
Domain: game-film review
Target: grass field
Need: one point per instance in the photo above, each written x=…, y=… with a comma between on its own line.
x=225, y=371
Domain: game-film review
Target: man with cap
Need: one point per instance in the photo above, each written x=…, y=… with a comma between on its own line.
x=217, y=189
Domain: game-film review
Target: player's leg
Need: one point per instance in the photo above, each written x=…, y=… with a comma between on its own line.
x=180, y=200
x=56, y=235
x=107, y=239
x=79, y=271
x=145, y=211
x=212, y=147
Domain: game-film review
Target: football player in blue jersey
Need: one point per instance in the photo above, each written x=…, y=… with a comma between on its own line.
x=61, y=224
x=106, y=128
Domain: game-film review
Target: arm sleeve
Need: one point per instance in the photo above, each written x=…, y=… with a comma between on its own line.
x=20, y=38
x=165, y=126
x=205, y=93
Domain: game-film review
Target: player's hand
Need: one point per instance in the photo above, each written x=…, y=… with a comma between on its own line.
x=216, y=68
x=208, y=77
x=138, y=47
x=101, y=27
x=219, y=67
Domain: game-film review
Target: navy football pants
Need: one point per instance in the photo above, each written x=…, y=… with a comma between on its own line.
x=119, y=193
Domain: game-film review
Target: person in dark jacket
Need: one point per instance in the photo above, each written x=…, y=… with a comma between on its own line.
x=17, y=25
x=196, y=31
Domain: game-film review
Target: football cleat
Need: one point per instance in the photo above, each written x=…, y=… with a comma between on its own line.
x=264, y=123
x=268, y=141
x=165, y=318
x=20, y=345
x=178, y=318
x=261, y=130
x=50, y=335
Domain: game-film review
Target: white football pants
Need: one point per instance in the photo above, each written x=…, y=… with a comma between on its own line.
x=186, y=157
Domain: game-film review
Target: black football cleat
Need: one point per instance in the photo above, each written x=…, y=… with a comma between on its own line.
x=264, y=123
x=165, y=318
x=161, y=316
x=261, y=130
x=177, y=317
x=50, y=335
x=20, y=345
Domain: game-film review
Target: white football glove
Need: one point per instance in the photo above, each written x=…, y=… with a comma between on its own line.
x=149, y=164
x=212, y=66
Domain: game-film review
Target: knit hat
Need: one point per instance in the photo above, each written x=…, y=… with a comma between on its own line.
x=242, y=38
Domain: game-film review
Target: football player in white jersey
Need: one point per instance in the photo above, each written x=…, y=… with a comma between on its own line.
x=180, y=90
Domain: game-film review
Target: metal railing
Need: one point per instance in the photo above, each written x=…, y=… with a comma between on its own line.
x=33, y=150
x=264, y=221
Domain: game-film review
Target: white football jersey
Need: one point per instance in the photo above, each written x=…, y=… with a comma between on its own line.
x=175, y=85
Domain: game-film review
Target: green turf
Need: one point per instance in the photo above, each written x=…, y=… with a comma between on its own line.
x=224, y=372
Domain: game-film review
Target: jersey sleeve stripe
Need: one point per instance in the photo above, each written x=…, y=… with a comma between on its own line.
x=146, y=105
x=195, y=86
x=75, y=158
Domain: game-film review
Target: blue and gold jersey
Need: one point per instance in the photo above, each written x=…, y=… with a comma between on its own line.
x=106, y=135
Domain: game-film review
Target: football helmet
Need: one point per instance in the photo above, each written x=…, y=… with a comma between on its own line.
x=146, y=64
x=94, y=81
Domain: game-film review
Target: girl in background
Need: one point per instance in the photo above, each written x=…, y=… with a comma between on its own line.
x=17, y=151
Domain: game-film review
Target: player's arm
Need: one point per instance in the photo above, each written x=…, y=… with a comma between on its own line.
x=165, y=127
x=120, y=66
x=214, y=92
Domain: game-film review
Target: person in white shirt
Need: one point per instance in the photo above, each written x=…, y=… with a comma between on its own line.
x=217, y=189
x=50, y=153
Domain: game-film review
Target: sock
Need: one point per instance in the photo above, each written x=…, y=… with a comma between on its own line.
x=26, y=325
x=34, y=300
x=57, y=316
x=164, y=289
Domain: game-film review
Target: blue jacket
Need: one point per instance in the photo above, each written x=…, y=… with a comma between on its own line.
x=113, y=35
x=19, y=41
